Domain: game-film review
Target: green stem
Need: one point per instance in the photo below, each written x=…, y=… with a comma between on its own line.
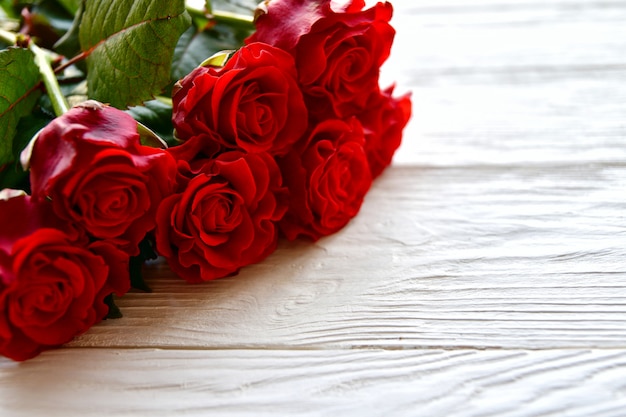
x=8, y=37
x=59, y=104
x=233, y=19
x=42, y=59
x=193, y=7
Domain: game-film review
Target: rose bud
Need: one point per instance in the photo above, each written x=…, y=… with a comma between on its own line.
x=89, y=167
x=252, y=104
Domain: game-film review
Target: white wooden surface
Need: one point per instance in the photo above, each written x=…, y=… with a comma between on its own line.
x=485, y=275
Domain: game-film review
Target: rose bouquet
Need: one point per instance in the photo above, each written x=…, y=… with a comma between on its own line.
x=279, y=137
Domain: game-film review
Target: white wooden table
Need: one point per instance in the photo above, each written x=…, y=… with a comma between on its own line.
x=485, y=275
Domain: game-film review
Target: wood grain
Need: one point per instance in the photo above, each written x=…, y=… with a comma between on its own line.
x=88, y=382
x=483, y=277
x=504, y=228
x=490, y=257
x=498, y=82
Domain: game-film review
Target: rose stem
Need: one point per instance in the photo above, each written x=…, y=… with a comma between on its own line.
x=233, y=19
x=59, y=104
x=8, y=37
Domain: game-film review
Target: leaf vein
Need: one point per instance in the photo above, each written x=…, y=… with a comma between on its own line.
x=20, y=99
x=127, y=53
x=128, y=28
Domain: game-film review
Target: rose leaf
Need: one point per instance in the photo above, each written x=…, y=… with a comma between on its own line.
x=13, y=174
x=157, y=115
x=68, y=44
x=71, y=6
x=19, y=82
x=129, y=47
x=195, y=46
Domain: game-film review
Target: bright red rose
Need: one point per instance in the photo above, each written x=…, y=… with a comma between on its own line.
x=52, y=286
x=327, y=182
x=338, y=53
x=383, y=122
x=224, y=218
x=90, y=168
x=252, y=104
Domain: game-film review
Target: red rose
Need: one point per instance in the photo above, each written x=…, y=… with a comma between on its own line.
x=224, y=217
x=338, y=53
x=194, y=151
x=328, y=182
x=252, y=104
x=52, y=286
x=90, y=168
x=383, y=121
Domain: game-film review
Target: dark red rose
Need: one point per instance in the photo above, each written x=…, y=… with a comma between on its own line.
x=224, y=218
x=328, y=182
x=22, y=217
x=90, y=168
x=338, y=53
x=194, y=151
x=383, y=122
x=252, y=104
x=52, y=286
x=282, y=22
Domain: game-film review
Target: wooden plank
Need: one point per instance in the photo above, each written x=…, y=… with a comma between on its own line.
x=94, y=382
x=511, y=82
x=503, y=229
x=452, y=6
x=574, y=121
x=523, y=257
x=570, y=36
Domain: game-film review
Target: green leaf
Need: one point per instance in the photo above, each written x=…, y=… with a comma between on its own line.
x=218, y=59
x=69, y=45
x=129, y=47
x=54, y=15
x=7, y=10
x=190, y=52
x=194, y=46
x=148, y=137
x=71, y=6
x=19, y=79
x=158, y=117
x=13, y=174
